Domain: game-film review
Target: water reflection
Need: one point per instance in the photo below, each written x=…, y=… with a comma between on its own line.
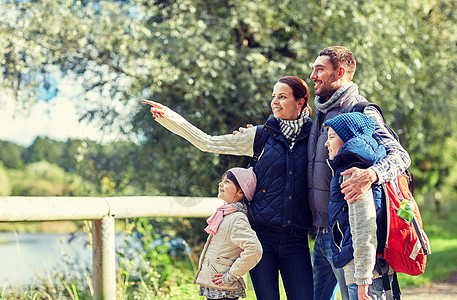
x=25, y=258
x=32, y=258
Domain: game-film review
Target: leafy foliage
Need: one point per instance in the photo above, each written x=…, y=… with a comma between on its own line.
x=5, y=186
x=75, y=167
x=43, y=149
x=10, y=155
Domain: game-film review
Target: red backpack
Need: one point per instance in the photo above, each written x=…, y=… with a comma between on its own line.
x=407, y=245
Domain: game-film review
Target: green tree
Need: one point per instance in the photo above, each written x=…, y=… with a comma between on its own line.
x=10, y=155
x=5, y=186
x=45, y=179
x=71, y=154
x=109, y=167
x=43, y=149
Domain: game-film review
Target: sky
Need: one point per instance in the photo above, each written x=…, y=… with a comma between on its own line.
x=56, y=118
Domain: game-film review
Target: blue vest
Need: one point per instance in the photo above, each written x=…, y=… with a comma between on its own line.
x=281, y=198
x=357, y=152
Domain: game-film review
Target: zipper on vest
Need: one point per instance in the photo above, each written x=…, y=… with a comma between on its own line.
x=328, y=163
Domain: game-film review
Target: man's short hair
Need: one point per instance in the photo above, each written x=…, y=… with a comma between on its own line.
x=340, y=57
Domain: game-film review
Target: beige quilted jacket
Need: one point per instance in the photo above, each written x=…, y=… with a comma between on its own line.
x=234, y=248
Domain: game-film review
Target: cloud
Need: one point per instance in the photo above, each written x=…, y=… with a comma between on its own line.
x=57, y=111
x=56, y=119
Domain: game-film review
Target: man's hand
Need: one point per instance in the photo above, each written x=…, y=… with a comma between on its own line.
x=360, y=181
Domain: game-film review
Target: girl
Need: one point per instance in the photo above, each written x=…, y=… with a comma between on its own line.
x=232, y=248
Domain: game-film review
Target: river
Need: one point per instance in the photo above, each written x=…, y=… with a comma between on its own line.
x=27, y=258
x=32, y=258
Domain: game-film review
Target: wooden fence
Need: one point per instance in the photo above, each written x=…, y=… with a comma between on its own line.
x=102, y=211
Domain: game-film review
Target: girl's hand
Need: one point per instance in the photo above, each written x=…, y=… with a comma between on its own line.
x=217, y=280
x=157, y=109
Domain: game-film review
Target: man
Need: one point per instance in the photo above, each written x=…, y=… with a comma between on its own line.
x=332, y=75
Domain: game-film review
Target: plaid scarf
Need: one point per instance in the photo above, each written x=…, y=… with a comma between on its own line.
x=292, y=128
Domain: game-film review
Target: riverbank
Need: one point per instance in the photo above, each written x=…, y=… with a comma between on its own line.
x=44, y=227
x=53, y=226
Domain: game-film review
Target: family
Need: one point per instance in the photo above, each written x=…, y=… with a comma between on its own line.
x=315, y=177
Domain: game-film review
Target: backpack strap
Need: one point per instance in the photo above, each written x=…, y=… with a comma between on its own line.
x=360, y=107
x=392, y=290
x=261, y=136
x=395, y=287
x=419, y=235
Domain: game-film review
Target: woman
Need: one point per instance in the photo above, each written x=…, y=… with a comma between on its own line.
x=280, y=210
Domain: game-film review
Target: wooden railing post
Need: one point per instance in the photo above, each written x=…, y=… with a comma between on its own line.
x=104, y=259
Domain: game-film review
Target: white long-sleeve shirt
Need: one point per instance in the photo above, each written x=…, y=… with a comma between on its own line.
x=234, y=144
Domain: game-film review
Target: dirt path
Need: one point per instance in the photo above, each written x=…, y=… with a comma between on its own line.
x=444, y=290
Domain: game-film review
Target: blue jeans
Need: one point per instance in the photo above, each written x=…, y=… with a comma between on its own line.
x=375, y=290
x=326, y=277
x=286, y=252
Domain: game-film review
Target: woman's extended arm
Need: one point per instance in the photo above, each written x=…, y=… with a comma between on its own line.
x=234, y=144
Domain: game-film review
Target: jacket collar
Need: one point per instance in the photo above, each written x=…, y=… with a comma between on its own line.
x=363, y=151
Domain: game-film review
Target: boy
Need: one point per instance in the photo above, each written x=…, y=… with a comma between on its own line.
x=353, y=226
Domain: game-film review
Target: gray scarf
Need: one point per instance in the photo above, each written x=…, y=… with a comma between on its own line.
x=323, y=106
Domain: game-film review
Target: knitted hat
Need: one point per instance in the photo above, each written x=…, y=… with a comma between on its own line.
x=350, y=125
x=247, y=180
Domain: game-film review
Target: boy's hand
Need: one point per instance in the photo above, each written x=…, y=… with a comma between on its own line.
x=362, y=292
x=360, y=181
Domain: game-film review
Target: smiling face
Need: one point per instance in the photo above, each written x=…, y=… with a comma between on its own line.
x=326, y=79
x=283, y=103
x=333, y=143
x=229, y=192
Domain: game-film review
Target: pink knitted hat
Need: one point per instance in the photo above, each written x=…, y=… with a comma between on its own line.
x=247, y=180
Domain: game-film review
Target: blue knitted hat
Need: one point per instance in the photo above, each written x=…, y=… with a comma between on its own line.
x=350, y=125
